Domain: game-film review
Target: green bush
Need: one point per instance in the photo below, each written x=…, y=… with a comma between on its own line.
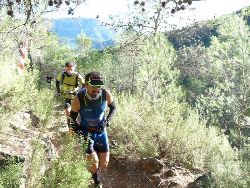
x=10, y=174
x=70, y=170
x=170, y=131
x=44, y=105
x=21, y=92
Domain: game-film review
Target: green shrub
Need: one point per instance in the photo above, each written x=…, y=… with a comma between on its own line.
x=44, y=105
x=10, y=174
x=170, y=131
x=21, y=93
x=70, y=170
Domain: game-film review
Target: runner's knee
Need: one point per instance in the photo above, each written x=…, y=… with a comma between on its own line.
x=94, y=168
x=104, y=164
x=92, y=159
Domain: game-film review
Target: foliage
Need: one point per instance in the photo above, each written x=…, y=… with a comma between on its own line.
x=84, y=44
x=30, y=9
x=136, y=69
x=70, y=169
x=216, y=79
x=155, y=122
x=10, y=174
x=94, y=60
x=141, y=123
x=87, y=58
x=37, y=164
x=145, y=19
x=21, y=93
x=6, y=36
x=193, y=66
x=156, y=75
x=54, y=58
x=152, y=120
x=15, y=31
x=197, y=34
x=169, y=131
x=150, y=17
x=47, y=53
x=44, y=105
x=229, y=56
x=44, y=50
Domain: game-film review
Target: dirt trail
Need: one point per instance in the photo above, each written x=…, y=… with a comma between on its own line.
x=121, y=172
x=124, y=173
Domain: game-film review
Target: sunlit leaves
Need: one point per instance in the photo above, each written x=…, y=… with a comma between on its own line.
x=150, y=17
x=31, y=8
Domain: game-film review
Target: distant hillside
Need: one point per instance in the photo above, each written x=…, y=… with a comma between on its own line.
x=102, y=37
x=200, y=33
x=68, y=29
x=192, y=36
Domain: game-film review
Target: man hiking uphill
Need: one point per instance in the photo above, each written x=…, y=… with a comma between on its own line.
x=91, y=103
x=67, y=84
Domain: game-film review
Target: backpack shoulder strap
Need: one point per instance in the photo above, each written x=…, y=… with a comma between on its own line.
x=63, y=76
x=77, y=79
x=104, y=93
x=81, y=95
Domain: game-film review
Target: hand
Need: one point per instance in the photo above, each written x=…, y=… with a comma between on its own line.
x=107, y=122
x=103, y=125
x=76, y=127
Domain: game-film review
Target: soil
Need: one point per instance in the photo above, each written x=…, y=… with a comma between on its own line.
x=124, y=173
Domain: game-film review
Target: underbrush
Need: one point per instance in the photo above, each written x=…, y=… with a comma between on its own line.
x=10, y=174
x=70, y=170
x=22, y=93
x=171, y=131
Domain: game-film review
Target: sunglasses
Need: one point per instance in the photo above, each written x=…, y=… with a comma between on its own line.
x=96, y=86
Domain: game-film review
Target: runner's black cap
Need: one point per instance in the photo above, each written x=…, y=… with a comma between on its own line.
x=94, y=78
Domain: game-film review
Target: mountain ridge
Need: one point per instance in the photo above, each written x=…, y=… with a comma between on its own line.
x=69, y=28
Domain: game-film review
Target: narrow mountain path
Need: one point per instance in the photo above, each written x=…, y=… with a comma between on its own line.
x=121, y=172
x=124, y=173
